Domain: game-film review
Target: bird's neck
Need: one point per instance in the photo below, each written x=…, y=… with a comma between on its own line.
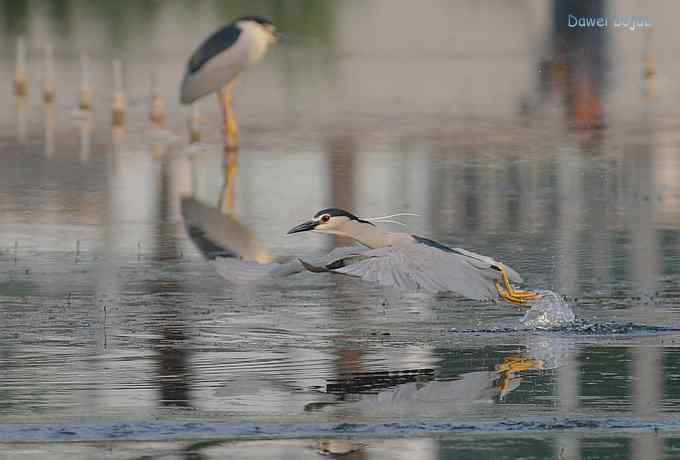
x=367, y=234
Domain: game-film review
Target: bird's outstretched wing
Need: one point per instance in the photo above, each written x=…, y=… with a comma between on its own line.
x=242, y=272
x=423, y=267
x=476, y=259
x=488, y=261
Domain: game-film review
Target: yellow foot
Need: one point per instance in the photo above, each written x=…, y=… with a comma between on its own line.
x=517, y=363
x=508, y=369
x=505, y=295
x=530, y=295
x=510, y=293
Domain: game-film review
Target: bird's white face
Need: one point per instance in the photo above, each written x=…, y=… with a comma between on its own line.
x=258, y=37
x=264, y=33
x=323, y=223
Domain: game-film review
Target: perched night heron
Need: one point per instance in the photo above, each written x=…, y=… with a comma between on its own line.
x=398, y=260
x=412, y=262
x=214, y=66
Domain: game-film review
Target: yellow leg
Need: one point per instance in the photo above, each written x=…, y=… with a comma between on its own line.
x=231, y=144
x=226, y=98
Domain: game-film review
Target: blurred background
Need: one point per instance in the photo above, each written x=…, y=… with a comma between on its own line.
x=554, y=148
x=486, y=119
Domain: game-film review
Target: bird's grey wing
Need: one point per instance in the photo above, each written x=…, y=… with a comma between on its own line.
x=219, y=40
x=239, y=271
x=215, y=63
x=475, y=259
x=338, y=257
x=247, y=272
x=486, y=260
x=421, y=267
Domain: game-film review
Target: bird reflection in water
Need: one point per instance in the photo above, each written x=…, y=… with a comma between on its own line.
x=400, y=393
x=509, y=377
x=221, y=236
x=420, y=387
x=226, y=201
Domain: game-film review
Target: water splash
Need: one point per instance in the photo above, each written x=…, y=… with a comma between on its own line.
x=548, y=312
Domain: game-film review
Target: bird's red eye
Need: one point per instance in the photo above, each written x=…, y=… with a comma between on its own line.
x=325, y=218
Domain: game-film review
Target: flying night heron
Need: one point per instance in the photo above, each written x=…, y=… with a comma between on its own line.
x=398, y=260
x=216, y=63
x=412, y=262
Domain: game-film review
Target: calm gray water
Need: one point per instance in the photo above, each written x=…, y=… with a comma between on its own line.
x=116, y=332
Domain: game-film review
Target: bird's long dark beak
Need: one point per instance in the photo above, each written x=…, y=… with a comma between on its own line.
x=304, y=227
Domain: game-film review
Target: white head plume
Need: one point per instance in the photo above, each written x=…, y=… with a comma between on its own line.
x=386, y=219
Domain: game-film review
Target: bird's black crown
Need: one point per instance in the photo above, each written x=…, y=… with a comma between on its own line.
x=337, y=212
x=258, y=19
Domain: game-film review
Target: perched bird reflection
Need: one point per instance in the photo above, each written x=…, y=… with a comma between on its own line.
x=221, y=236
